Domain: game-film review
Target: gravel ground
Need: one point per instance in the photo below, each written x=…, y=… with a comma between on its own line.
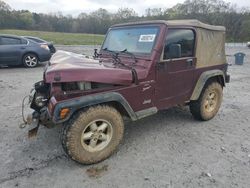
x=169, y=149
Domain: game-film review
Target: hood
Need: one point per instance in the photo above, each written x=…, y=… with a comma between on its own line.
x=70, y=67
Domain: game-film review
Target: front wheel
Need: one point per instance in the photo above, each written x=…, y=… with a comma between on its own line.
x=93, y=135
x=30, y=60
x=208, y=104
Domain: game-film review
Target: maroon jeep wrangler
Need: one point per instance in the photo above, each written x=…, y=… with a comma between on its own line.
x=141, y=68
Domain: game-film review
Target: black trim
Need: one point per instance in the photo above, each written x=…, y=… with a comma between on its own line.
x=146, y=112
x=89, y=100
x=227, y=78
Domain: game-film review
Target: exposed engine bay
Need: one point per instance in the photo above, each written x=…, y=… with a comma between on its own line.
x=40, y=94
x=72, y=86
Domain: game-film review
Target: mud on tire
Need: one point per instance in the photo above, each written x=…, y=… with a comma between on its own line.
x=208, y=104
x=92, y=135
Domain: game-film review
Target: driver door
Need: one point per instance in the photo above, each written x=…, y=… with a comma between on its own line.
x=175, y=71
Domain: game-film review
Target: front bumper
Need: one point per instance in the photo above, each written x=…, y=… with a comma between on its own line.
x=45, y=56
x=38, y=101
x=43, y=117
x=36, y=119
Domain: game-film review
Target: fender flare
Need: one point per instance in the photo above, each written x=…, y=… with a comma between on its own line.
x=90, y=100
x=202, y=81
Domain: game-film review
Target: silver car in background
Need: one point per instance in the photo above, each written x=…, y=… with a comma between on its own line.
x=15, y=50
x=41, y=41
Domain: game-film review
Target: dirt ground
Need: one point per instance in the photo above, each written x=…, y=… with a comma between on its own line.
x=169, y=149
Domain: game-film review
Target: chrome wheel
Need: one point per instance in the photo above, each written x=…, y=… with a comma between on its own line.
x=97, y=135
x=30, y=60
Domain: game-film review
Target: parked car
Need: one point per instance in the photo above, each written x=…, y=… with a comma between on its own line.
x=15, y=50
x=41, y=41
x=142, y=67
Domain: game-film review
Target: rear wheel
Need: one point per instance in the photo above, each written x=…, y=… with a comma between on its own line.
x=93, y=135
x=208, y=104
x=30, y=60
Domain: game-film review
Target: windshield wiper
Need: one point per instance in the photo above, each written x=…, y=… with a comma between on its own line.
x=125, y=51
x=133, y=70
x=118, y=60
x=114, y=55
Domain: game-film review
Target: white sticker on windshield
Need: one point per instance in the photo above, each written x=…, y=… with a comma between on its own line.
x=147, y=38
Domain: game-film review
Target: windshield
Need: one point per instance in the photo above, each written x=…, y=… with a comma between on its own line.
x=135, y=39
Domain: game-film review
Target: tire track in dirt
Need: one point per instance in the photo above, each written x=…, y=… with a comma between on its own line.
x=28, y=171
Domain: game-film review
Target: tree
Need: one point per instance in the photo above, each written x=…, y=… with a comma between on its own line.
x=125, y=14
x=216, y=12
x=4, y=6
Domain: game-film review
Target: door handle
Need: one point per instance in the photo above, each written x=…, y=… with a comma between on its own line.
x=23, y=48
x=190, y=62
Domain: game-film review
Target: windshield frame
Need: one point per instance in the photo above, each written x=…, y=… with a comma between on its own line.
x=133, y=26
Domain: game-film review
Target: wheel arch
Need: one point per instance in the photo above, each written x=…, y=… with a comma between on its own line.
x=115, y=104
x=30, y=52
x=113, y=99
x=216, y=75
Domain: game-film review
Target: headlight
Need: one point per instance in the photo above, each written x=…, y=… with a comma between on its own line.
x=40, y=100
x=44, y=46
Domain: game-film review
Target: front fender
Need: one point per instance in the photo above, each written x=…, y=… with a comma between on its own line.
x=90, y=100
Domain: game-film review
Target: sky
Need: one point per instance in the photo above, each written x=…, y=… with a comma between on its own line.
x=74, y=7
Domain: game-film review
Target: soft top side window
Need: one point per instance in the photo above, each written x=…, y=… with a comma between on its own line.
x=185, y=38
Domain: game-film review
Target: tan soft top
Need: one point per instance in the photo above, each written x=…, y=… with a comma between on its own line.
x=210, y=49
x=189, y=23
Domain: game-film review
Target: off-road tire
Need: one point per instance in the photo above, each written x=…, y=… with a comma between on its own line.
x=33, y=60
x=200, y=109
x=72, y=130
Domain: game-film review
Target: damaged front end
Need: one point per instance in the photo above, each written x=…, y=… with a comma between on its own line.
x=38, y=101
x=42, y=100
x=70, y=77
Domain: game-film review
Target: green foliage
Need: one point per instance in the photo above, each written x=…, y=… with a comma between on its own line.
x=216, y=12
x=60, y=38
x=4, y=6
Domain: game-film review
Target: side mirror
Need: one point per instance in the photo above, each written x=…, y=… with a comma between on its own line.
x=174, y=51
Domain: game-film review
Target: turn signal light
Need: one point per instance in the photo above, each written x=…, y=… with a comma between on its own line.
x=64, y=112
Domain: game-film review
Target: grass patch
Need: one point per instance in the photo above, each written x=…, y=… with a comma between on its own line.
x=60, y=38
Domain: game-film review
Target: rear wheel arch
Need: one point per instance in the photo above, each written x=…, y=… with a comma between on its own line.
x=204, y=79
x=221, y=80
x=209, y=102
